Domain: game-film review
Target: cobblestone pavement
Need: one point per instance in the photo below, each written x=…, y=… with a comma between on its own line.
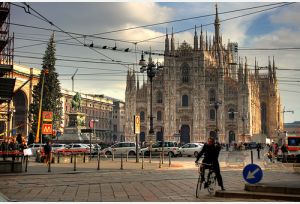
x=175, y=183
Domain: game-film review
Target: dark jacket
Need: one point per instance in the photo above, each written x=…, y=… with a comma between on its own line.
x=47, y=149
x=210, y=152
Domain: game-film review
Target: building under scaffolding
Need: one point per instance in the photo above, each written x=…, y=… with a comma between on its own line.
x=7, y=82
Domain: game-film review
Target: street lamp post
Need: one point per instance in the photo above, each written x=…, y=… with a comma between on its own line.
x=151, y=69
x=216, y=106
x=44, y=72
x=94, y=132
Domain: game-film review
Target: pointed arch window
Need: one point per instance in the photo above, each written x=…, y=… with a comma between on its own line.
x=212, y=95
x=142, y=116
x=185, y=101
x=159, y=115
x=231, y=114
x=185, y=73
x=159, y=97
x=212, y=114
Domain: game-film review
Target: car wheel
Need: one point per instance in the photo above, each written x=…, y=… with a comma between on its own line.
x=108, y=153
x=171, y=154
x=196, y=154
x=131, y=153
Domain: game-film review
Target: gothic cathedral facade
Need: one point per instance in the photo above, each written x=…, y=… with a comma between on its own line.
x=205, y=91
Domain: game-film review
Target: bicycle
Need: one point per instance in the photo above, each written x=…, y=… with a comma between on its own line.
x=209, y=182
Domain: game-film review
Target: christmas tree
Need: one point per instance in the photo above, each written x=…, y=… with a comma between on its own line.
x=51, y=91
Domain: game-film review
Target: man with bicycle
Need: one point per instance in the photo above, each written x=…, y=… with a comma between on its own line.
x=211, y=152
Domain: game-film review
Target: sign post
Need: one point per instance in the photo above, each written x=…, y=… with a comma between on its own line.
x=137, y=131
x=252, y=173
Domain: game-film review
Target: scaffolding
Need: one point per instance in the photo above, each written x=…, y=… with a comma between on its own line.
x=7, y=82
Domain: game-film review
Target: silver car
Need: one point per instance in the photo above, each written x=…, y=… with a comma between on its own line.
x=121, y=148
x=190, y=149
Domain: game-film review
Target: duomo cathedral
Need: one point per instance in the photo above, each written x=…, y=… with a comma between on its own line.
x=205, y=90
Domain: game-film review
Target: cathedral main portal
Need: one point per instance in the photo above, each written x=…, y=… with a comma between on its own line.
x=185, y=134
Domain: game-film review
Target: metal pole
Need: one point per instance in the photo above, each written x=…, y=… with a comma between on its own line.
x=216, y=107
x=126, y=156
x=98, y=168
x=26, y=163
x=49, y=162
x=74, y=162
x=142, y=160
x=40, y=112
x=251, y=156
x=169, y=160
x=136, y=149
x=159, y=165
x=91, y=145
x=121, y=161
x=113, y=155
x=71, y=157
x=83, y=157
x=150, y=156
x=151, y=131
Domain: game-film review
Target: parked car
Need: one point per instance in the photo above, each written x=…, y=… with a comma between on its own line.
x=78, y=147
x=35, y=147
x=57, y=146
x=95, y=148
x=122, y=147
x=190, y=149
x=170, y=148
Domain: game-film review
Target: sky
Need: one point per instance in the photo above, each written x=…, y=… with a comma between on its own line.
x=273, y=28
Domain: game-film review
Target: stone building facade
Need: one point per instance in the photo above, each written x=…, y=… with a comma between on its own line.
x=205, y=90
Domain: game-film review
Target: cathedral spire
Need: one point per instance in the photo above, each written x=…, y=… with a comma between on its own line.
x=150, y=57
x=206, y=42
x=270, y=70
x=246, y=71
x=201, y=40
x=137, y=82
x=167, y=43
x=256, y=69
x=217, y=26
x=240, y=73
x=195, y=39
x=172, y=43
x=274, y=69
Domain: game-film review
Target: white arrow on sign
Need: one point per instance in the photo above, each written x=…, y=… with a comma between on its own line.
x=251, y=174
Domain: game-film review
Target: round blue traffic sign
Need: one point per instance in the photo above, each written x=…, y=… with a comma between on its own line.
x=252, y=173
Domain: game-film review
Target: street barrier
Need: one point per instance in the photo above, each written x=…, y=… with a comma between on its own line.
x=169, y=160
x=49, y=163
x=159, y=164
x=113, y=156
x=26, y=163
x=74, y=162
x=150, y=156
x=126, y=156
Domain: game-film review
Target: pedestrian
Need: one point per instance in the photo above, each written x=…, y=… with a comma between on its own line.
x=258, y=151
x=47, y=152
x=284, y=151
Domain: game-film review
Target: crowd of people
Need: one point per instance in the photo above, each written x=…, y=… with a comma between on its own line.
x=12, y=147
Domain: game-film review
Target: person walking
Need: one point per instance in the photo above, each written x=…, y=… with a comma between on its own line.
x=211, y=152
x=284, y=151
x=47, y=152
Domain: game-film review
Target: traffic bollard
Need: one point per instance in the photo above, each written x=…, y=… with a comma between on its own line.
x=169, y=160
x=159, y=165
x=150, y=157
x=26, y=163
x=113, y=156
x=126, y=156
x=83, y=157
x=74, y=162
x=71, y=158
x=121, y=161
x=49, y=163
x=251, y=156
x=142, y=160
x=98, y=168
x=58, y=157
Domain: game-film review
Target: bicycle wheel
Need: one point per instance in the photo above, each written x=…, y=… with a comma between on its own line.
x=211, y=179
x=199, y=185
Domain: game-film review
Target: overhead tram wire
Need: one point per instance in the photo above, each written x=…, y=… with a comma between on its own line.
x=52, y=24
x=58, y=66
x=183, y=19
x=286, y=4
x=149, y=25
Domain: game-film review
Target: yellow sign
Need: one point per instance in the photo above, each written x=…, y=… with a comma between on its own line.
x=137, y=124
